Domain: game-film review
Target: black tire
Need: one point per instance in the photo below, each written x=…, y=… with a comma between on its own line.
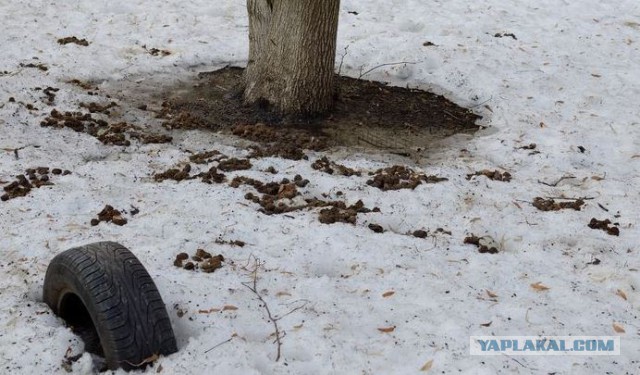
x=107, y=296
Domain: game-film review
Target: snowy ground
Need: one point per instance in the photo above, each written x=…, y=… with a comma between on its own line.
x=568, y=78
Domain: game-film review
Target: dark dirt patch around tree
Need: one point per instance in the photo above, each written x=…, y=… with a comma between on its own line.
x=366, y=113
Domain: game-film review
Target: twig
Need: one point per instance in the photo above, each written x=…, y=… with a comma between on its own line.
x=342, y=59
x=515, y=360
x=573, y=199
x=304, y=303
x=479, y=104
x=253, y=287
x=222, y=343
x=451, y=115
x=603, y=207
x=381, y=65
x=554, y=184
x=15, y=150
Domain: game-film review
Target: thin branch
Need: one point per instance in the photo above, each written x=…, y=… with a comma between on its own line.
x=573, y=199
x=554, y=184
x=252, y=285
x=381, y=65
x=342, y=59
x=479, y=104
x=217, y=345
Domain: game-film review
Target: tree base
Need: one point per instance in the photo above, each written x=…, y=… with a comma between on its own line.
x=366, y=114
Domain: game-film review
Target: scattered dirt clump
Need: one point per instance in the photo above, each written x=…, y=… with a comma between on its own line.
x=35, y=178
x=82, y=84
x=173, y=174
x=492, y=175
x=180, y=258
x=473, y=240
x=271, y=170
x=50, y=94
x=72, y=39
x=40, y=66
x=202, y=260
x=99, y=108
x=605, y=225
x=151, y=138
x=180, y=120
x=327, y=166
x=282, y=197
x=281, y=141
x=339, y=212
x=179, y=174
x=114, y=134
x=281, y=201
x=206, y=157
x=420, y=233
x=200, y=255
x=109, y=214
x=551, y=205
x=211, y=264
x=157, y=51
x=212, y=176
x=234, y=164
x=238, y=243
x=299, y=181
x=400, y=177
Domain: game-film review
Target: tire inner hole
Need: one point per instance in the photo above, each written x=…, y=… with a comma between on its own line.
x=74, y=312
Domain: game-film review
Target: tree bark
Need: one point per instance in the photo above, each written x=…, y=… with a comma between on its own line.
x=292, y=50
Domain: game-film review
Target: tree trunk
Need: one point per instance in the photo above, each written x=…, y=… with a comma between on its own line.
x=292, y=50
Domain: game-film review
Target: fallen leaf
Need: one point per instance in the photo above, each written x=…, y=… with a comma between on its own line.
x=159, y=370
x=427, y=366
x=388, y=294
x=618, y=328
x=387, y=329
x=229, y=307
x=491, y=294
x=298, y=326
x=486, y=324
x=282, y=294
x=212, y=310
x=539, y=287
x=622, y=294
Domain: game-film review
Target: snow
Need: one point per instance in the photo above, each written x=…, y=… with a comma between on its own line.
x=570, y=77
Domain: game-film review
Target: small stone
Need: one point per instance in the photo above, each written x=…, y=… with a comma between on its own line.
x=420, y=233
x=376, y=228
x=189, y=266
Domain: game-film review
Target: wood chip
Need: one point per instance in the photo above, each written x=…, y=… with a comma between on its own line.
x=621, y=294
x=387, y=329
x=427, y=366
x=618, y=328
x=539, y=287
